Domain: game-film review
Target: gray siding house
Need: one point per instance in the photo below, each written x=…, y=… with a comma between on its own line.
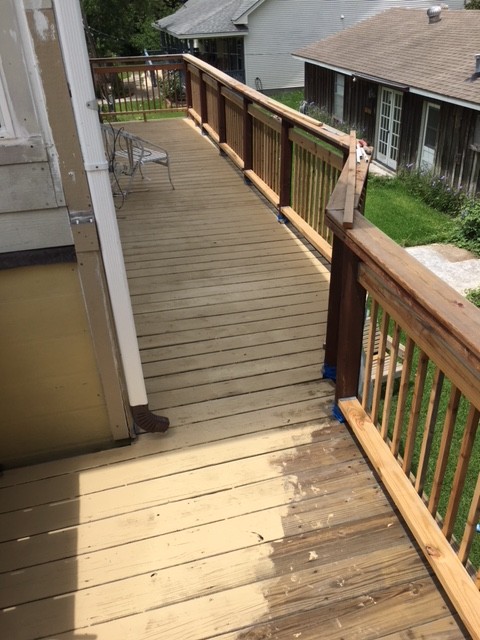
x=252, y=40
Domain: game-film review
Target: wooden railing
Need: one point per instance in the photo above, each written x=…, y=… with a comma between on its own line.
x=294, y=160
x=404, y=349
x=138, y=86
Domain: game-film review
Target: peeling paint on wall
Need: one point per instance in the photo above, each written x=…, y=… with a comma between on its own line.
x=44, y=29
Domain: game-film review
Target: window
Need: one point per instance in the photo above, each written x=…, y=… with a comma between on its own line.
x=6, y=128
x=338, y=96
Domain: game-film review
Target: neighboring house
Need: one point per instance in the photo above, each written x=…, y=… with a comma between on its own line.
x=252, y=40
x=411, y=82
x=62, y=385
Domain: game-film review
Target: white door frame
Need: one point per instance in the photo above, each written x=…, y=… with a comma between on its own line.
x=426, y=153
x=389, y=116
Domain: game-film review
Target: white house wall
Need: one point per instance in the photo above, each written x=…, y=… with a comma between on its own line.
x=278, y=27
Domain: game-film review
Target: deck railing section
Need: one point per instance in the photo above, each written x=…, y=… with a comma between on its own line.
x=294, y=160
x=138, y=86
x=405, y=351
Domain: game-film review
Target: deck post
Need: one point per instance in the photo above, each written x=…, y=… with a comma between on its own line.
x=203, y=101
x=286, y=148
x=221, y=113
x=247, y=136
x=188, y=85
x=350, y=327
x=334, y=307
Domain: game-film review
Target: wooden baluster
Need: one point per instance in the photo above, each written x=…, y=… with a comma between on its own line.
x=382, y=347
x=461, y=471
x=445, y=443
x=402, y=397
x=415, y=412
x=370, y=350
x=387, y=402
x=430, y=422
x=471, y=524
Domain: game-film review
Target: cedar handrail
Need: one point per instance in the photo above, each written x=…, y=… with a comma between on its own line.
x=443, y=328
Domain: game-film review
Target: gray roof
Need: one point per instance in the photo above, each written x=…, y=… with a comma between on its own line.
x=198, y=18
x=401, y=47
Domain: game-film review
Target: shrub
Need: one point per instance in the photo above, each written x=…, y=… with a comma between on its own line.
x=321, y=114
x=467, y=231
x=433, y=190
x=474, y=296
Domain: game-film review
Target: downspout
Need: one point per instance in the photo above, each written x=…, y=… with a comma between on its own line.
x=75, y=58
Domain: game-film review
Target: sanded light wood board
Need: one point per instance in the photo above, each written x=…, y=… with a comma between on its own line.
x=457, y=583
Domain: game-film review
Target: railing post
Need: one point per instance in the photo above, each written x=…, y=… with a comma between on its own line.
x=286, y=148
x=334, y=306
x=203, y=100
x=346, y=315
x=247, y=136
x=222, y=121
x=188, y=85
x=350, y=330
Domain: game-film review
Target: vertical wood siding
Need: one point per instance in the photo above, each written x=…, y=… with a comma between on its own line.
x=455, y=157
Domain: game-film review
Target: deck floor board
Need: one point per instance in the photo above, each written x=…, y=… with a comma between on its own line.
x=256, y=516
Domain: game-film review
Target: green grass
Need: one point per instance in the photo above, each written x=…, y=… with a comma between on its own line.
x=292, y=99
x=403, y=217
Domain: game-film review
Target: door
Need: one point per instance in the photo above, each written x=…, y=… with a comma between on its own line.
x=388, y=138
x=428, y=140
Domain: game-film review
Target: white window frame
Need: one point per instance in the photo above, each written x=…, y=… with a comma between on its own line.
x=6, y=124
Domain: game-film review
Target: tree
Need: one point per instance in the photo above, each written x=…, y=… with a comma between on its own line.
x=472, y=4
x=123, y=27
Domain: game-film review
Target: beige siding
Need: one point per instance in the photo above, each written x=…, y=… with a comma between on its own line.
x=50, y=393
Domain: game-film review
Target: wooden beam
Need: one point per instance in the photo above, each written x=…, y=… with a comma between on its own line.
x=458, y=585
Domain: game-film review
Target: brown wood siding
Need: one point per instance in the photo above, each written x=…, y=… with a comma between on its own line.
x=412, y=110
x=360, y=107
x=319, y=86
x=456, y=159
x=360, y=98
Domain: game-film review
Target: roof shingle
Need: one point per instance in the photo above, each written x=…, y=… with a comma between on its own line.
x=401, y=47
x=205, y=17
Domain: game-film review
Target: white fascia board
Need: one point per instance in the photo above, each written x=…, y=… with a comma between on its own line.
x=204, y=36
x=441, y=98
x=345, y=72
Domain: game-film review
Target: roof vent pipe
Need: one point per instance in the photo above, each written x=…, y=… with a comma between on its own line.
x=477, y=63
x=434, y=14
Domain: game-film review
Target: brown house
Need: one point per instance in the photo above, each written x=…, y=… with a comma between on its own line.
x=409, y=80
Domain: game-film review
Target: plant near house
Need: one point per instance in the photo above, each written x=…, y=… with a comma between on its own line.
x=322, y=114
x=474, y=296
x=467, y=228
x=433, y=190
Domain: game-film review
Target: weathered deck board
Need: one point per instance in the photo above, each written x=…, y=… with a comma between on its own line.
x=256, y=515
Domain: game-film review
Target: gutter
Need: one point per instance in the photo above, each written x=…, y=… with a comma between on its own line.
x=75, y=58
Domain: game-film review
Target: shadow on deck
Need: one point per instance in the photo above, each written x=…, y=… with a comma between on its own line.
x=256, y=515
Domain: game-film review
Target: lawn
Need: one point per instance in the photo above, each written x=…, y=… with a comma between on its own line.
x=403, y=217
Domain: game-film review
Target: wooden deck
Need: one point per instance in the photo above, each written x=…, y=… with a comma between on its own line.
x=256, y=515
